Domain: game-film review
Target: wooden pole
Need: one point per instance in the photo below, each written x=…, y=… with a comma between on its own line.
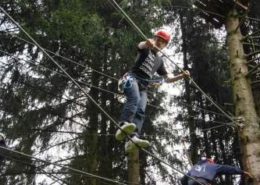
x=134, y=168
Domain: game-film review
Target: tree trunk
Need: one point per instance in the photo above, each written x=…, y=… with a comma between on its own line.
x=256, y=92
x=243, y=99
x=191, y=123
x=133, y=168
x=92, y=143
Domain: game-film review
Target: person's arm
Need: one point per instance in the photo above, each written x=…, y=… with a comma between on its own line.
x=171, y=79
x=149, y=43
x=248, y=174
x=226, y=169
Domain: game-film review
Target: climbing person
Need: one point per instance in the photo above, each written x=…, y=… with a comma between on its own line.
x=206, y=170
x=134, y=85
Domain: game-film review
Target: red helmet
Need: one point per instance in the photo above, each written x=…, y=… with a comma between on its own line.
x=164, y=35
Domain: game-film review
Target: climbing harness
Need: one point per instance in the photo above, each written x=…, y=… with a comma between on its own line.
x=125, y=82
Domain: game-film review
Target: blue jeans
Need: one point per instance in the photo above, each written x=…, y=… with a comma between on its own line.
x=134, y=108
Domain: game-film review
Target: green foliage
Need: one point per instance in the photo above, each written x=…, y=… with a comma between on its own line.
x=37, y=101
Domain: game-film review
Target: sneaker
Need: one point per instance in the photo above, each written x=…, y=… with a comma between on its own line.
x=125, y=129
x=130, y=146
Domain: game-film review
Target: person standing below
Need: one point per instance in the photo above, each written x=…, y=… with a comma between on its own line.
x=206, y=170
x=135, y=83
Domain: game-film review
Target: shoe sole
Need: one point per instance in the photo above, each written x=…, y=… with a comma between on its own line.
x=131, y=148
x=124, y=131
x=143, y=144
x=134, y=147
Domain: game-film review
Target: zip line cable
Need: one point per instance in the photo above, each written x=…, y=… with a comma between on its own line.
x=222, y=123
x=101, y=89
x=90, y=97
x=201, y=90
x=70, y=158
x=22, y=162
x=194, y=83
x=58, y=144
x=253, y=19
x=48, y=163
x=46, y=53
x=53, y=163
x=38, y=64
x=70, y=60
x=167, y=164
x=62, y=166
x=251, y=35
x=72, y=140
x=60, y=161
x=144, y=36
x=200, y=9
x=61, y=181
x=116, y=93
x=211, y=12
x=61, y=143
x=65, y=58
x=70, y=77
x=37, y=167
x=69, y=118
x=213, y=121
x=65, y=142
x=202, y=109
x=74, y=100
x=111, y=135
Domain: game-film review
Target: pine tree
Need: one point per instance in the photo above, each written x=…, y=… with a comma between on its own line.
x=37, y=98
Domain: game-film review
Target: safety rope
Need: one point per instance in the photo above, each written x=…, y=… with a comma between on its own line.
x=145, y=151
x=90, y=97
x=62, y=166
x=74, y=62
x=105, y=90
x=50, y=175
x=165, y=55
x=109, y=135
